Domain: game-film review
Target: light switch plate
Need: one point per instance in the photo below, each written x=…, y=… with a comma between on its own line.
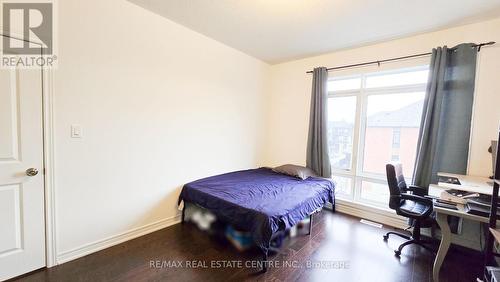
x=76, y=131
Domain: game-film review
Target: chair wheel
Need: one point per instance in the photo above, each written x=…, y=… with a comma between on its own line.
x=386, y=237
x=397, y=253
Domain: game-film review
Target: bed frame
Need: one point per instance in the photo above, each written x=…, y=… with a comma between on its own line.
x=264, y=261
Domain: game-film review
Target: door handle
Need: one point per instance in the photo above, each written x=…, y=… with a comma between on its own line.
x=31, y=171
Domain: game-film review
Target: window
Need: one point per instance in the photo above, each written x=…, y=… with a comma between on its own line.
x=341, y=116
x=385, y=114
x=343, y=185
x=373, y=119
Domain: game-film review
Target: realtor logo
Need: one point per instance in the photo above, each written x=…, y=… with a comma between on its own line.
x=31, y=20
x=28, y=33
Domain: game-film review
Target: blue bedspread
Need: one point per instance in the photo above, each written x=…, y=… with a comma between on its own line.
x=259, y=200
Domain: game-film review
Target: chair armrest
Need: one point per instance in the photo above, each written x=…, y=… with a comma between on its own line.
x=417, y=190
x=416, y=198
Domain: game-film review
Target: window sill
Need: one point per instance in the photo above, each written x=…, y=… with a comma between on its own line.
x=373, y=213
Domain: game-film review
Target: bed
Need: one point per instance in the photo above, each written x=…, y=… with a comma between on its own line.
x=260, y=201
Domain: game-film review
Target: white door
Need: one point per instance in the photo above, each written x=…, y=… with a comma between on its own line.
x=22, y=226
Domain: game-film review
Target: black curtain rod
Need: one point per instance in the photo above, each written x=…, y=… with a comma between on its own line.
x=399, y=58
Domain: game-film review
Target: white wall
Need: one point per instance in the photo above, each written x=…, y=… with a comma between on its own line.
x=160, y=105
x=289, y=94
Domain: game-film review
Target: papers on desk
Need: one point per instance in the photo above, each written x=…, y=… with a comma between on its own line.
x=449, y=199
x=463, y=191
x=474, y=203
x=457, y=196
x=480, y=205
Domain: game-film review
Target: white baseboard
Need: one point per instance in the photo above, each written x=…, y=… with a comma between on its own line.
x=370, y=213
x=116, y=239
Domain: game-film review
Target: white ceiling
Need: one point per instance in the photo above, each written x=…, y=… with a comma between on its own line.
x=280, y=30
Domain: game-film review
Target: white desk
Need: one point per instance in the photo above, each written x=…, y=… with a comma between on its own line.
x=469, y=183
x=482, y=185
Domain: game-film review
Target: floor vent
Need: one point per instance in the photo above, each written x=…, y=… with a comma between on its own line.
x=371, y=223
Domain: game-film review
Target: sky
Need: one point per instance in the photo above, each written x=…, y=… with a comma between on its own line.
x=344, y=108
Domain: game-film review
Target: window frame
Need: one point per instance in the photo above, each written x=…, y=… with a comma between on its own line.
x=398, y=130
x=355, y=172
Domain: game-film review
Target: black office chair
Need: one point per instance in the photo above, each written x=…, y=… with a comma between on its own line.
x=414, y=206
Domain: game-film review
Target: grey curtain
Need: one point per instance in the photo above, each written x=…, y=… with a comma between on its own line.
x=443, y=143
x=317, y=141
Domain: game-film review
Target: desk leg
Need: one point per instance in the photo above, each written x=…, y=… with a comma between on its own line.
x=442, y=220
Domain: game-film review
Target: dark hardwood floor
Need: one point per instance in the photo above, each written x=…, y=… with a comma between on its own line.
x=348, y=249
